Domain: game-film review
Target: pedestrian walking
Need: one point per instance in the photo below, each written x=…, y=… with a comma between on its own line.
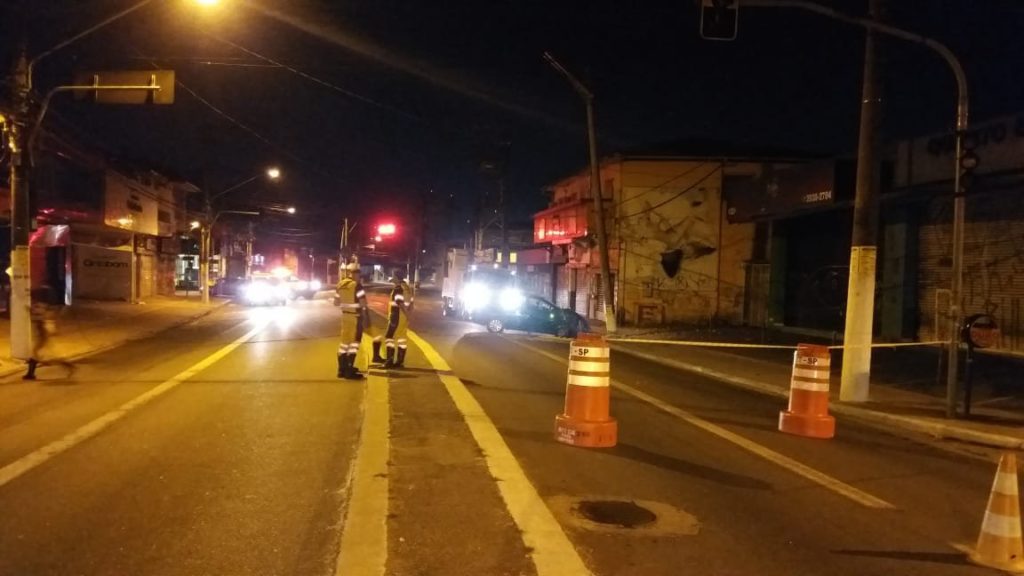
x=43, y=323
x=355, y=316
x=401, y=303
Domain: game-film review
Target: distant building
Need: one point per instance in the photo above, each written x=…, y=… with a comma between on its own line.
x=674, y=255
x=102, y=230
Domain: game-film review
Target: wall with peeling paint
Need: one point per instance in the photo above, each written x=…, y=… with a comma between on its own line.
x=680, y=260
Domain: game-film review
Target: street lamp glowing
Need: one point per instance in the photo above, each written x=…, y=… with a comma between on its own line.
x=290, y=210
x=207, y=2
x=194, y=224
x=273, y=173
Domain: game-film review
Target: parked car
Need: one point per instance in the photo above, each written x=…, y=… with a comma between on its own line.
x=533, y=314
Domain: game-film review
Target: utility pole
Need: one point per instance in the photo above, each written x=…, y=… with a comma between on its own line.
x=860, y=299
x=503, y=221
x=204, y=247
x=959, y=205
x=17, y=129
x=249, y=239
x=608, y=294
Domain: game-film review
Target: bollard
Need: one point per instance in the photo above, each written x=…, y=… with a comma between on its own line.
x=808, y=394
x=586, y=421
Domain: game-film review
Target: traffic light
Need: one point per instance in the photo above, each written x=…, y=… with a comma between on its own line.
x=387, y=229
x=719, y=19
x=966, y=164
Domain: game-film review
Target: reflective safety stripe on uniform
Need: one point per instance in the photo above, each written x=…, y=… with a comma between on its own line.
x=402, y=343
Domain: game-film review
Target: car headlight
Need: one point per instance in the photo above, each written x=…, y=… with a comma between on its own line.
x=511, y=299
x=315, y=285
x=257, y=292
x=476, y=296
x=281, y=292
x=303, y=286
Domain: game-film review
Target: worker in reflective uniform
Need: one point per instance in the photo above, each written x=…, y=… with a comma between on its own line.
x=401, y=303
x=355, y=316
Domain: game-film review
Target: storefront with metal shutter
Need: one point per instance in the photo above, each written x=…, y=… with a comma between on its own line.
x=993, y=280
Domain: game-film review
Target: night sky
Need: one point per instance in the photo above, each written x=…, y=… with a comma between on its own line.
x=370, y=102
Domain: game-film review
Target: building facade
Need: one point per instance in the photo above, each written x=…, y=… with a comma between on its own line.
x=800, y=268
x=674, y=255
x=103, y=231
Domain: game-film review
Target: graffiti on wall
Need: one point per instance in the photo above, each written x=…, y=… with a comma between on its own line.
x=993, y=278
x=669, y=244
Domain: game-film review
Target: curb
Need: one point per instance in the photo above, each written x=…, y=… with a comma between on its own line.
x=118, y=343
x=878, y=420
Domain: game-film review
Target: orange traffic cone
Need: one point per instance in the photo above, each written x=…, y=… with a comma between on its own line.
x=808, y=394
x=999, y=543
x=586, y=421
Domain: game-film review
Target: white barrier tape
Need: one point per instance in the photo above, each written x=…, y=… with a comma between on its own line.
x=809, y=386
x=892, y=345
x=589, y=381
x=1005, y=483
x=588, y=366
x=700, y=343
x=807, y=373
x=590, y=351
x=1001, y=525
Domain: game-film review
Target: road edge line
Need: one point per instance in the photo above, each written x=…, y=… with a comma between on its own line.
x=550, y=549
x=42, y=455
x=363, y=551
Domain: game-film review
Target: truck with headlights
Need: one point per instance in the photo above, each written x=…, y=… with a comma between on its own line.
x=468, y=289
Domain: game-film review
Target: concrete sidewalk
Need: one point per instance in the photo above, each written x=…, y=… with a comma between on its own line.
x=912, y=403
x=89, y=327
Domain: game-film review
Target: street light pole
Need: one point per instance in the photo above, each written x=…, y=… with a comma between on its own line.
x=608, y=294
x=210, y=218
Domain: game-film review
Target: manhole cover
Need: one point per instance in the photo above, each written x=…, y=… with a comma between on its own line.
x=615, y=513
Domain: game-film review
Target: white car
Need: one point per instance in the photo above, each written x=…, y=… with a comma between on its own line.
x=265, y=292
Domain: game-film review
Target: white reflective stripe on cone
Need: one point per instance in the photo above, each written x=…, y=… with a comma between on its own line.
x=588, y=366
x=810, y=386
x=1005, y=483
x=588, y=381
x=807, y=373
x=1001, y=525
x=577, y=351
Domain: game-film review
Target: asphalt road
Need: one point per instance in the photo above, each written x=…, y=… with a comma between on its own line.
x=228, y=447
